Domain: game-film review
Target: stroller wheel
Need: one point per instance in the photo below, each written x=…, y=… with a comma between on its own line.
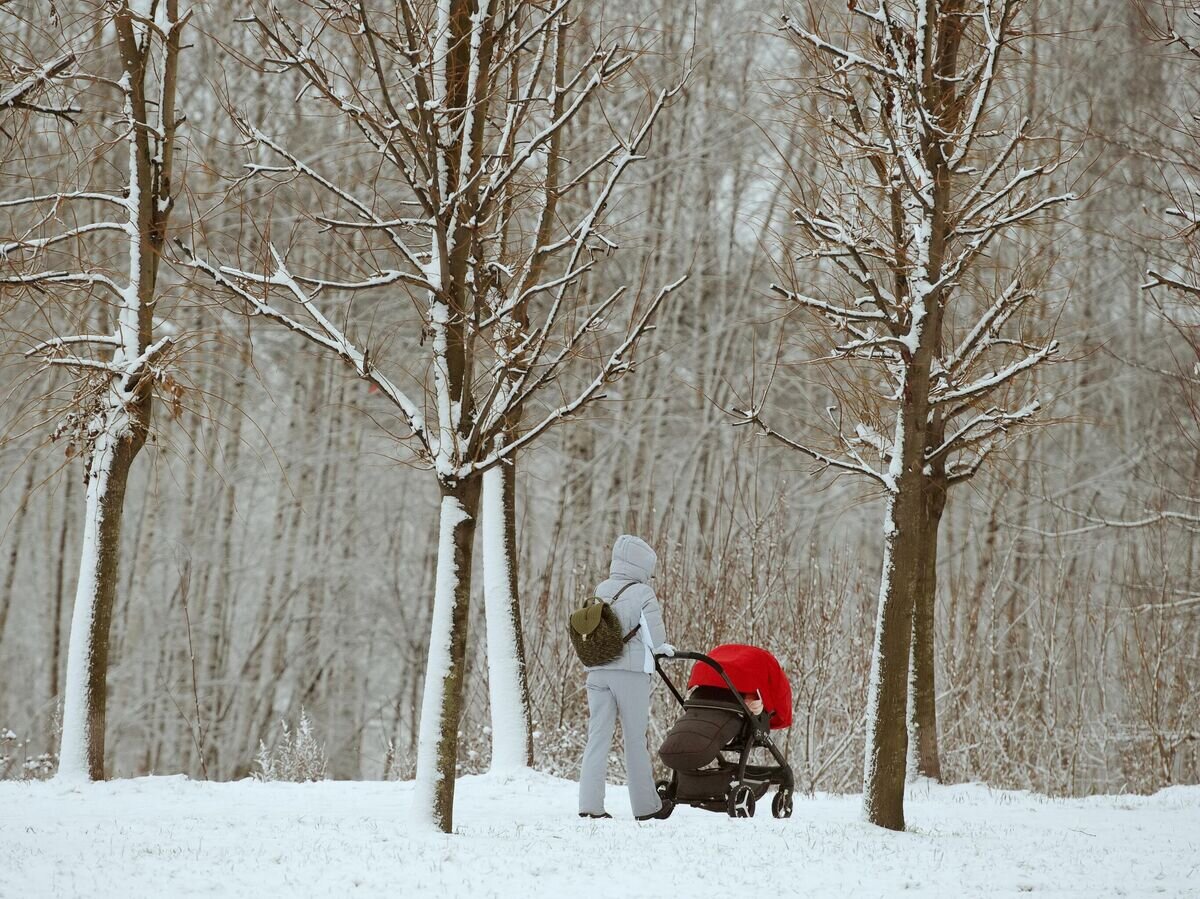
x=781, y=804
x=741, y=802
x=665, y=789
x=667, y=794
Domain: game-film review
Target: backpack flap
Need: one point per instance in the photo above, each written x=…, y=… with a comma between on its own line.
x=586, y=620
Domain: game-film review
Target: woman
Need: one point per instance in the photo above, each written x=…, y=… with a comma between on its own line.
x=622, y=687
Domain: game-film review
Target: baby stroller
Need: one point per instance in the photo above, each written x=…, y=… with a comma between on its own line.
x=708, y=749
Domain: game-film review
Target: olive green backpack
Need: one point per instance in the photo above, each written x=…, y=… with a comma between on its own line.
x=596, y=631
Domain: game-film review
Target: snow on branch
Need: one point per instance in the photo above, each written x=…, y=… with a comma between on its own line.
x=1185, y=520
x=995, y=22
x=510, y=305
x=502, y=400
x=977, y=202
x=847, y=59
x=369, y=218
x=56, y=343
x=981, y=428
x=42, y=243
x=994, y=379
x=1157, y=279
x=753, y=416
x=1019, y=215
x=964, y=470
x=20, y=95
x=853, y=314
x=534, y=345
x=609, y=65
x=128, y=372
x=83, y=279
x=987, y=328
x=67, y=195
x=325, y=334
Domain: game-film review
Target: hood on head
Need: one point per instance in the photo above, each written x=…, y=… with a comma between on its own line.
x=632, y=559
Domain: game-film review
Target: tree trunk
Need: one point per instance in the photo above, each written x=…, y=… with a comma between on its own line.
x=81, y=756
x=922, y=707
x=60, y=576
x=887, y=697
x=441, y=705
x=14, y=555
x=508, y=684
x=886, y=752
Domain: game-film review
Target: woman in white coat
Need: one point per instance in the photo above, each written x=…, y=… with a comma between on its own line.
x=621, y=688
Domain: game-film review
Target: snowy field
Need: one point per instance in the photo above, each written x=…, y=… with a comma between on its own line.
x=169, y=837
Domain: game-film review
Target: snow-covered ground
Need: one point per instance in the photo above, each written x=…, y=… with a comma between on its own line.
x=520, y=838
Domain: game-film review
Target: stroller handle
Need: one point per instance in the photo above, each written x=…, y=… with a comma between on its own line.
x=707, y=660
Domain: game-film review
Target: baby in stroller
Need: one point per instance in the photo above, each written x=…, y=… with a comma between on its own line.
x=735, y=696
x=754, y=702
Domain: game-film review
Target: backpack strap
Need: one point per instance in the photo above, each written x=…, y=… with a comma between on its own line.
x=636, y=627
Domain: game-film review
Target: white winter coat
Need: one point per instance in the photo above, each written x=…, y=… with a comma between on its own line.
x=632, y=566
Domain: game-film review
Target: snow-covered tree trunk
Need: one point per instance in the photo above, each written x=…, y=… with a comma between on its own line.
x=508, y=684
x=81, y=754
x=441, y=702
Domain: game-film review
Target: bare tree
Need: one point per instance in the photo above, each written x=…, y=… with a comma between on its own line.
x=1177, y=26
x=490, y=228
x=108, y=418
x=923, y=168
x=29, y=79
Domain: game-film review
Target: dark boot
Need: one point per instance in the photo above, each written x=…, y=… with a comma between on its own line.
x=661, y=815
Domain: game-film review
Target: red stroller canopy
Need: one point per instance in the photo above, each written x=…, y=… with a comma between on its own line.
x=751, y=670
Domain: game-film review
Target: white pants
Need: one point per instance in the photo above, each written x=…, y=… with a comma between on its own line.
x=627, y=694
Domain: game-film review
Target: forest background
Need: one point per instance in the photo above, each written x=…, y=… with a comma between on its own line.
x=279, y=552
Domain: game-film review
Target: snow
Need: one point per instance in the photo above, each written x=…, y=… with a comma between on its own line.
x=520, y=837
x=468, y=126
x=127, y=319
x=438, y=666
x=444, y=456
x=504, y=684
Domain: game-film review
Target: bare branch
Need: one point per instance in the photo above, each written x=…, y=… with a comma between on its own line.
x=1157, y=279
x=995, y=379
x=616, y=366
x=19, y=95
x=848, y=58
x=753, y=416
x=326, y=334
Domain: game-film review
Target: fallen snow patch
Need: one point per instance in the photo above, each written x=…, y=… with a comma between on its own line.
x=520, y=837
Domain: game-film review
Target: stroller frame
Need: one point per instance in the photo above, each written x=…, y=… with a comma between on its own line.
x=740, y=798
